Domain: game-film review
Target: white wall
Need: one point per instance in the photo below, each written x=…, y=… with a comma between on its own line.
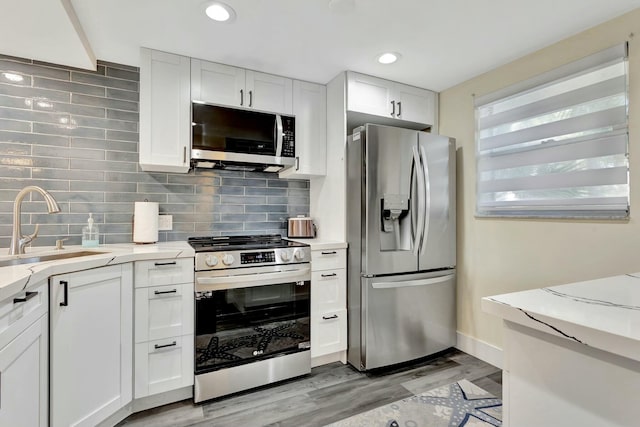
x=501, y=255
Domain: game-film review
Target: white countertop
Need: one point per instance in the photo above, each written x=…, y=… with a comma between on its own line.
x=320, y=244
x=15, y=278
x=602, y=313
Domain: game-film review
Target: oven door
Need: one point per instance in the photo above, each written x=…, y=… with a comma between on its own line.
x=241, y=318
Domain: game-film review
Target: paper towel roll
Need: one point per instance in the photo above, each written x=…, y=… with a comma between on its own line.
x=145, y=222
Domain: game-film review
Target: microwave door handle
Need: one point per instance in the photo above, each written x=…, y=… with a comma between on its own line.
x=279, y=135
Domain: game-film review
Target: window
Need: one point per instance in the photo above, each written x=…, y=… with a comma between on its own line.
x=557, y=145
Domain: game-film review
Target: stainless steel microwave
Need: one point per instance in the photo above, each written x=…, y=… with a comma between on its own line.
x=234, y=138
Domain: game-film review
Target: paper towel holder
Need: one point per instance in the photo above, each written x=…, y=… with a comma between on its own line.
x=148, y=234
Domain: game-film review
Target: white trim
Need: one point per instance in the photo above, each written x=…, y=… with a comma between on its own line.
x=480, y=349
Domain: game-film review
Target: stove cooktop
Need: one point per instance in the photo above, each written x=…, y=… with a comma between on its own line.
x=239, y=243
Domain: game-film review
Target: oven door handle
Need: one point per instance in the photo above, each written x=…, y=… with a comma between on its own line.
x=249, y=280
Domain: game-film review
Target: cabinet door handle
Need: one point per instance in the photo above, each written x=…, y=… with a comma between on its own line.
x=393, y=108
x=65, y=300
x=399, y=108
x=250, y=98
x=158, y=346
x=329, y=253
x=297, y=163
x=328, y=275
x=241, y=97
x=160, y=264
x=184, y=154
x=26, y=298
x=172, y=291
x=335, y=316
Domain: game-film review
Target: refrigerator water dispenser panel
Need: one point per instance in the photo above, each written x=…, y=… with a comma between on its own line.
x=395, y=231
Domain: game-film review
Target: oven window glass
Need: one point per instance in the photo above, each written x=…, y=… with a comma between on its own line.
x=231, y=130
x=237, y=326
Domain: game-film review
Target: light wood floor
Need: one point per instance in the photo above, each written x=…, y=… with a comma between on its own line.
x=330, y=393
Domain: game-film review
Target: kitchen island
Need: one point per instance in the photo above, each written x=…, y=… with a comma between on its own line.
x=571, y=353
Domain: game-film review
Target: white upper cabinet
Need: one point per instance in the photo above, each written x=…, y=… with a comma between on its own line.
x=165, y=112
x=236, y=87
x=310, y=110
x=390, y=100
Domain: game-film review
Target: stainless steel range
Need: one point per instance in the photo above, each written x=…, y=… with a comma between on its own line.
x=252, y=312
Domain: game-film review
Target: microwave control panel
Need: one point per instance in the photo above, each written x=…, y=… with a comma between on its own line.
x=288, y=140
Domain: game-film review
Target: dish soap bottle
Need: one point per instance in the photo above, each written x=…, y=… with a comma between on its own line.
x=90, y=234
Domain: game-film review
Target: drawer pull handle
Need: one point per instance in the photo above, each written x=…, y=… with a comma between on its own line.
x=158, y=346
x=26, y=298
x=329, y=253
x=172, y=291
x=65, y=300
x=328, y=275
x=335, y=316
x=160, y=264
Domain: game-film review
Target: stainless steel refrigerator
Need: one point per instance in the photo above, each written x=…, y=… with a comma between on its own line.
x=401, y=230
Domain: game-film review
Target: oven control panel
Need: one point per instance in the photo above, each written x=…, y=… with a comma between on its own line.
x=257, y=257
x=217, y=260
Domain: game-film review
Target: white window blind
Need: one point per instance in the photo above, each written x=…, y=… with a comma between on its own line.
x=557, y=145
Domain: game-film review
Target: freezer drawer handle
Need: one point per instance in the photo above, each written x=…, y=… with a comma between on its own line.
x=26, y=298
x=160, y=264
x=158, y=346
x=329, y=253
x=172, y=291
x=335, y=316
x=328, y=275
x=424, y=282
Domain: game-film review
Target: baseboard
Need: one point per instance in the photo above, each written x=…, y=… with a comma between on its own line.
x=480, y=349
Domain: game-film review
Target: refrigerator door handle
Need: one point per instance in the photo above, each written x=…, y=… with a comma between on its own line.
x=426, y=213
x=420, y=196
x=421, y=282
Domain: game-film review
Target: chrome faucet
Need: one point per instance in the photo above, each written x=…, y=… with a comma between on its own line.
x=18, y=240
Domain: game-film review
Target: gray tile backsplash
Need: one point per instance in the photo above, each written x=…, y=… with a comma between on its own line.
x=75, y=134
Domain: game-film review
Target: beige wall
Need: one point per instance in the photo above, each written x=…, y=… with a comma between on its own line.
x=501, y=255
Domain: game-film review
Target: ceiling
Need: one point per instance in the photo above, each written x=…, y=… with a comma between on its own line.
x=442, y=42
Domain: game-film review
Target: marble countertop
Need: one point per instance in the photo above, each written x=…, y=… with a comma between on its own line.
x=16, y=278
x=602, y=313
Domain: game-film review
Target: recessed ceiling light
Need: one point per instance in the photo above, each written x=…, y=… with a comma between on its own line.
x=388, y=57
x=220, y=12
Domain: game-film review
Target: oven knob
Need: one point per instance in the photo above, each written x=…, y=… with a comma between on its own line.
x=299, y=255
x=285, y=256
x=228, y=259
x=211, y=260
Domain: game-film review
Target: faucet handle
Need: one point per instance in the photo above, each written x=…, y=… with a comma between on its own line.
x=60, y=243
x=26, y=239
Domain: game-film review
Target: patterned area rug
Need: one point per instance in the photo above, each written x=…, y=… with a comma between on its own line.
x=458, y=404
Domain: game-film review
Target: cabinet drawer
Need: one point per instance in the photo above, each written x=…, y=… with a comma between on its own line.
x=21, y=310
x=328, y=290
x=329, y=333
x=328, y=259
x=163, y=272
x=163, y=311
x=163, y=365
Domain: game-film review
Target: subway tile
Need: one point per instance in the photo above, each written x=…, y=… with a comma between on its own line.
x=63, y=130
x=30, y=92
x=51, y=230
x=243, y=200
x=108, y=64
x=31, y=138
x=35, y=70
x=256, y=217
x=112, y=239
x=278, y=217
x=298, y=192
x=295, y=200
x=79, y=196
x=177, y=208
x=66, y=86
x=100, y=207
x=16, y=58
x=173, y=237
x=298, y=210
x=104, y=81
x=119, y=217
x=123, y=74
x=135, y=177
x=126, y=95
x=102, y=165
x=131, y=116
x=64, y=218
x=227, y=226
x=18, y=184
x=298, y=183
x=244, y=182
x=278, y=200
x=233, y=191
x=15, y=102
x=30, y=116
x=75, y=175
x=15, y=171
x=9, y=148
x=14, y=125
x=32, y=161
x=115, y=104
x=266, y=208
x=116, y=187
x=123, y=136
x=25, y=81
x=184, y=227
x=266, y=191
x=106, y=123
x=117, y=228
x=192, y=198
x=75, y=109
x=193, y=179
x=165, y=188
x=262, y=225
x=70, y=153
x=280, y=183
x=122, y=156
x=131, y=147
x=134, y=197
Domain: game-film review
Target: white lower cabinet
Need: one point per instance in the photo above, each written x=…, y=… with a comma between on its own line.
x=91, y=345
x=24, y=359
x=328, y=302
x=163, y=326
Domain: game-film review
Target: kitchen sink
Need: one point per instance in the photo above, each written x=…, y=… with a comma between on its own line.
x=41, y=258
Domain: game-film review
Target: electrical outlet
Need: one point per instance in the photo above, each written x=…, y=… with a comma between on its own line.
x=165, y=222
